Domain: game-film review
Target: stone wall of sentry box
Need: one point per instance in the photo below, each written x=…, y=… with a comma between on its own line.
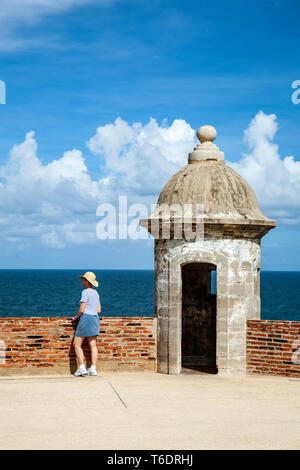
x=273, y=347
x=44, y=345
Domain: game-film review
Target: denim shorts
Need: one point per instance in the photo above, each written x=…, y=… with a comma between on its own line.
x=89, y=325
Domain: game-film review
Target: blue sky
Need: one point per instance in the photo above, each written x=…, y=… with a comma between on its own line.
x=73, y=66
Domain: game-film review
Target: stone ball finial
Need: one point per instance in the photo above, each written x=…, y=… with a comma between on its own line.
x=206, y=150
x=206, y=134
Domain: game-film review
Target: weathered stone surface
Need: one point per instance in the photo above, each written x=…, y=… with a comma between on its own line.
x=236, y=300
x=194, y=325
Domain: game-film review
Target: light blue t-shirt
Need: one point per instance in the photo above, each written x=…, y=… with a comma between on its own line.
x=92, y=299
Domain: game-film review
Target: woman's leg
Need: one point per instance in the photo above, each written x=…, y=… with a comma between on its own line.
x=94, y=350
x=78, y=350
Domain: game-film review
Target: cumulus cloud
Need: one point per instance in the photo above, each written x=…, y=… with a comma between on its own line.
x=275, y=180
x=49, y=202
x=139, y=159
x=55, y=204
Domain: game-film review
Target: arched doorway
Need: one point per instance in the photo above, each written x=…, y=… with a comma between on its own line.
x=198, y=338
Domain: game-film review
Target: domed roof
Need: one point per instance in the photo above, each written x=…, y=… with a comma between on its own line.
x=206, y=180
x=222, y=191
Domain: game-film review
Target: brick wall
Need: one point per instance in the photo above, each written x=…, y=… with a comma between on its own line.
x=273, y=347
x=44, y=345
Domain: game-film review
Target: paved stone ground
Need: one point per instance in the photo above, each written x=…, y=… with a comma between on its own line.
x=150, y=411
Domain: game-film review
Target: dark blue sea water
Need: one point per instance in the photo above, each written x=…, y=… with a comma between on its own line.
x=53, y=293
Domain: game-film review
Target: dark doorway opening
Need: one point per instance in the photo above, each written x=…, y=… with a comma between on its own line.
x=198, y=341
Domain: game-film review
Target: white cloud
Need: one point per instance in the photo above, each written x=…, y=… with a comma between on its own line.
x=32, y=11
x=275, y=181
x=139, y=159
x=55, y=204
x=15, y=14
x=45, y=201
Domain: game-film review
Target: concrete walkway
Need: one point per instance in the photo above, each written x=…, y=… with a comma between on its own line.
x=149, y=411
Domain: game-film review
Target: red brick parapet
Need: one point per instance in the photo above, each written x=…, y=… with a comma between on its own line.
x=44, y=345
x=273, y=347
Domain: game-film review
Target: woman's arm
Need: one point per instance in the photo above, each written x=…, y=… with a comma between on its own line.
x=99, y=308
x=80, y=311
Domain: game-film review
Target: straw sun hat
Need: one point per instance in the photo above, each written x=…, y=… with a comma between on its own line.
x=91, y=277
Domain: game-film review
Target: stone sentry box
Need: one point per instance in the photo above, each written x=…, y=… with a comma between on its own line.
x=198, y=328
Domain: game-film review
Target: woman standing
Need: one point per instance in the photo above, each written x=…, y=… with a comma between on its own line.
x=89, y=324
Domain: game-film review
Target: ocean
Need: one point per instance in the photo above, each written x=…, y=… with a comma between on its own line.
x=43, y=293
